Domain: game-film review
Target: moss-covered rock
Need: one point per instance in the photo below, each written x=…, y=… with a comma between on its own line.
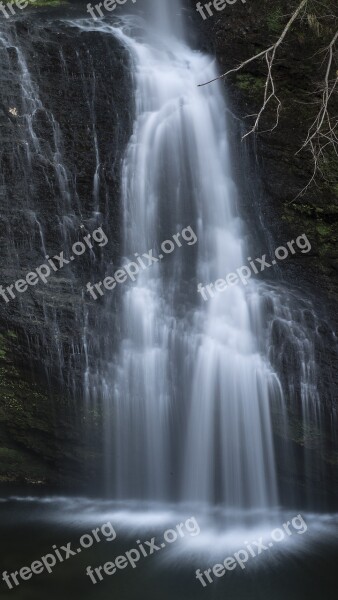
x=40, y=434
x=40, y=3
x=41, y=348
x=250, y=84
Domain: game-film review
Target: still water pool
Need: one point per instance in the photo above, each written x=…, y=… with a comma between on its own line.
x=154, y=551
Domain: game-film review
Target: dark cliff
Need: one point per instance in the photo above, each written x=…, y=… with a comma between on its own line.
x=60, y=178
x=81, y=100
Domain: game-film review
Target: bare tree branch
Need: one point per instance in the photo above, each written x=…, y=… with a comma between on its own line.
x=323, y=131
x=322, y=134
x=272, y=48
x=269, y=88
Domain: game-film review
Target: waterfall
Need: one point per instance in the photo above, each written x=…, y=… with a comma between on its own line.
x=191, y=394
x=191, y=390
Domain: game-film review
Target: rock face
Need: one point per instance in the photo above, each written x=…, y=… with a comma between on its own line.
x=40, y=433
x=60, y=180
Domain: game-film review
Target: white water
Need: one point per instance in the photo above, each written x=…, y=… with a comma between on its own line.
x=176, y=349
x=212, y=534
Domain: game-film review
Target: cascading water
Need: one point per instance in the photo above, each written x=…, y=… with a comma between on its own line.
x=192, y=393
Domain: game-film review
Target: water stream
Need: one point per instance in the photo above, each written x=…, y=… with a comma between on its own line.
x=176, y=349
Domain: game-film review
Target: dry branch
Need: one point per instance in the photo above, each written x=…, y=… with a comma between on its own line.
x=322, y=133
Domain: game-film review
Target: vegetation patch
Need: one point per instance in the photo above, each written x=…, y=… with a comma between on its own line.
x=275, y=20
x=250, y=83
x=47, y=2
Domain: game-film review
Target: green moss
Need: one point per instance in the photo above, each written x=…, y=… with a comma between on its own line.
x=27, y=437
x=250, y=83
x=41, y=3
x=17, y=465
x=307, y=210
x=12, y=334
x=46, y=2
x=40, y=438
x=304, y=209
x=323, y=229
x=308, y=436
x=275, y=20
x=324, y=249
x=329, y=169
x=3, y=347
x=5, y=339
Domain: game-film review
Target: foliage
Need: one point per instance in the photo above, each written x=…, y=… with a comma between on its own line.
x=275, y=20
x=250, y=83
x=40, y=3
